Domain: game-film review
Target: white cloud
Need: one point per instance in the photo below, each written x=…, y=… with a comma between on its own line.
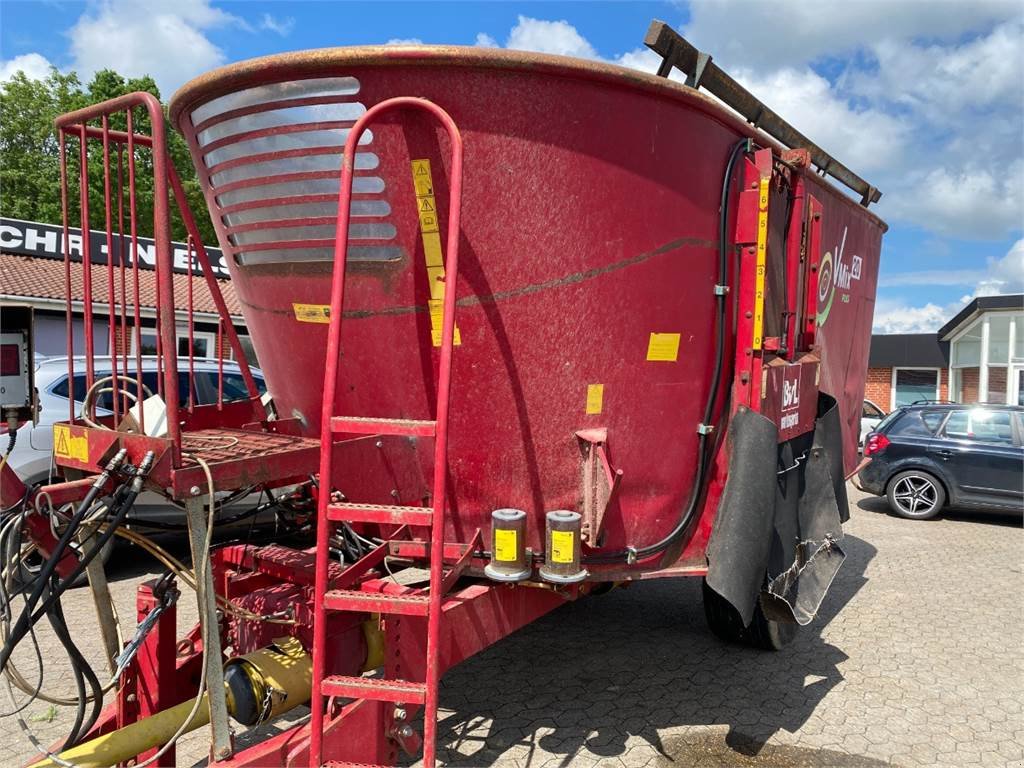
x=283, y=27
x=559, y=37
x=975, y=201
x=404, y=41
x=949, y=78
x=928, y=107
x=1000, y=276
x=947, y=277
x=486, y=41
x=140, y=37
x=941, y=80
x=897, y=317
x=1005, y=275
x=793, y=32
x=862, y=138
x=34, y=65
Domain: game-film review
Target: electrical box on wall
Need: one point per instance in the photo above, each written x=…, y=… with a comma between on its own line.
x=17, y=367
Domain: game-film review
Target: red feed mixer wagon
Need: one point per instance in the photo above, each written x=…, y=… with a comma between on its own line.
x=532, y=327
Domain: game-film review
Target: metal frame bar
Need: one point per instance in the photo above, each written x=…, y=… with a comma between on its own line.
x=677, y=52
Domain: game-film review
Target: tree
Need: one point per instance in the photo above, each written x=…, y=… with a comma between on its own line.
x=30, y=154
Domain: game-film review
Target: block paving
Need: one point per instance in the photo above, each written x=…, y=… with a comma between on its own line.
x=914, y=660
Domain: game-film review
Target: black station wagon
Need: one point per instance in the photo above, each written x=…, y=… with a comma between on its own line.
x=923, y=457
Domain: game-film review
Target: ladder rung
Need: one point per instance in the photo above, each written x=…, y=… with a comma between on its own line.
x=380, y=513
x=375, y=689
x=376, y=602
x=358, y=425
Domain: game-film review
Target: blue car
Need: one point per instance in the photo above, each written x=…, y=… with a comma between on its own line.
x=925, y=457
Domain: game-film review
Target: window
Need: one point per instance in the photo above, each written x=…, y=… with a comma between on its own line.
x=204, y=343
x=234, y=387
x=932, y=419
x=980, y=425
x=910, y=385
x=200, y=346
x=247, y=349
x=105, y=400
x=871, y=411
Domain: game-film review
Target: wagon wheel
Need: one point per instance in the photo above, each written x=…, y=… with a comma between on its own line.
x=727, y=625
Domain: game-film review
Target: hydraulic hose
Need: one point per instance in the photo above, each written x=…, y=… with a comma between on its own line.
x=120, y=513
x=50, y=566
x=690, y=510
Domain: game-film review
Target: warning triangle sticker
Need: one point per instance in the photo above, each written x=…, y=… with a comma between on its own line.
x=426, y=205
x=62, y=443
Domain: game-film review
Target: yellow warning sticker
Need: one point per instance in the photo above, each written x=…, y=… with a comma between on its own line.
x=561, y=546
x=762, y=247
x=663, y=347
x=426, y=207
x=595, y=398
x=505, y=545
x=422, y=179
x=312, y=313
x=67, y=446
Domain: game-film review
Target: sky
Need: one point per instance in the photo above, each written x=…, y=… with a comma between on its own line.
x=925, y=99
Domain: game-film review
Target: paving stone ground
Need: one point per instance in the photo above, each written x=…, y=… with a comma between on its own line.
x=915, y=660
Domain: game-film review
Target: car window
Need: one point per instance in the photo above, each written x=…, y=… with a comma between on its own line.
x=932, y=419
x=234, y=387
x=885, y=423
x=980, y=425
x=909, y=423
x=871, y=411
x=105, y=400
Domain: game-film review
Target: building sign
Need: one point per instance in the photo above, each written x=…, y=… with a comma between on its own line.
x=45, y=241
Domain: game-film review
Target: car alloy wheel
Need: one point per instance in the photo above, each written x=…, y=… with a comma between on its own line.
x=915, y=495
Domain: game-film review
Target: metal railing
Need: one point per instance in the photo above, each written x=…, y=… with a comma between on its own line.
x=121, y=206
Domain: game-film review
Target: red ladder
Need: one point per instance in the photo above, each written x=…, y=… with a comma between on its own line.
x=389, y=690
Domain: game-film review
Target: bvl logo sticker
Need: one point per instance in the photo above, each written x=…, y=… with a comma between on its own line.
x=790, y=398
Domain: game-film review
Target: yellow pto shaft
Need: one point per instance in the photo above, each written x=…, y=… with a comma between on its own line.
x=260, y=685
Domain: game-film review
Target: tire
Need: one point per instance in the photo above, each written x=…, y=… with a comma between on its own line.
x=727, y=625
x=915, y=495
x=29, y=568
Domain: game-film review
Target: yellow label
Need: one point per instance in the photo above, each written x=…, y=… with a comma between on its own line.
x=561, y=546
x=505, y=545
x=595, y=398
x=312, y=313
x=67, y=446
x=432, y=250
x=435, y=276
x=436, y=307
x=762, y=248
x=426, y=207
x=663, y=347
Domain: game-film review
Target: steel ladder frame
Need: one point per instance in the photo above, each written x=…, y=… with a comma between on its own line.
x=330, y=426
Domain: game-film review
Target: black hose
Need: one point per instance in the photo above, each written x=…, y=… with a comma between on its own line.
x=689, y=512
x=48, y=568
x=120, y=513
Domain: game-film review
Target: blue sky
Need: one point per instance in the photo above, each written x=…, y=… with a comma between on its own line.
x=926, y=100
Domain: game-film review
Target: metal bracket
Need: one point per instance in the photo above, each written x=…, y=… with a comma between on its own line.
x=600, y=482
x=694, y=78
x=721, y=290
x=705, y=429
x=456, y=570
